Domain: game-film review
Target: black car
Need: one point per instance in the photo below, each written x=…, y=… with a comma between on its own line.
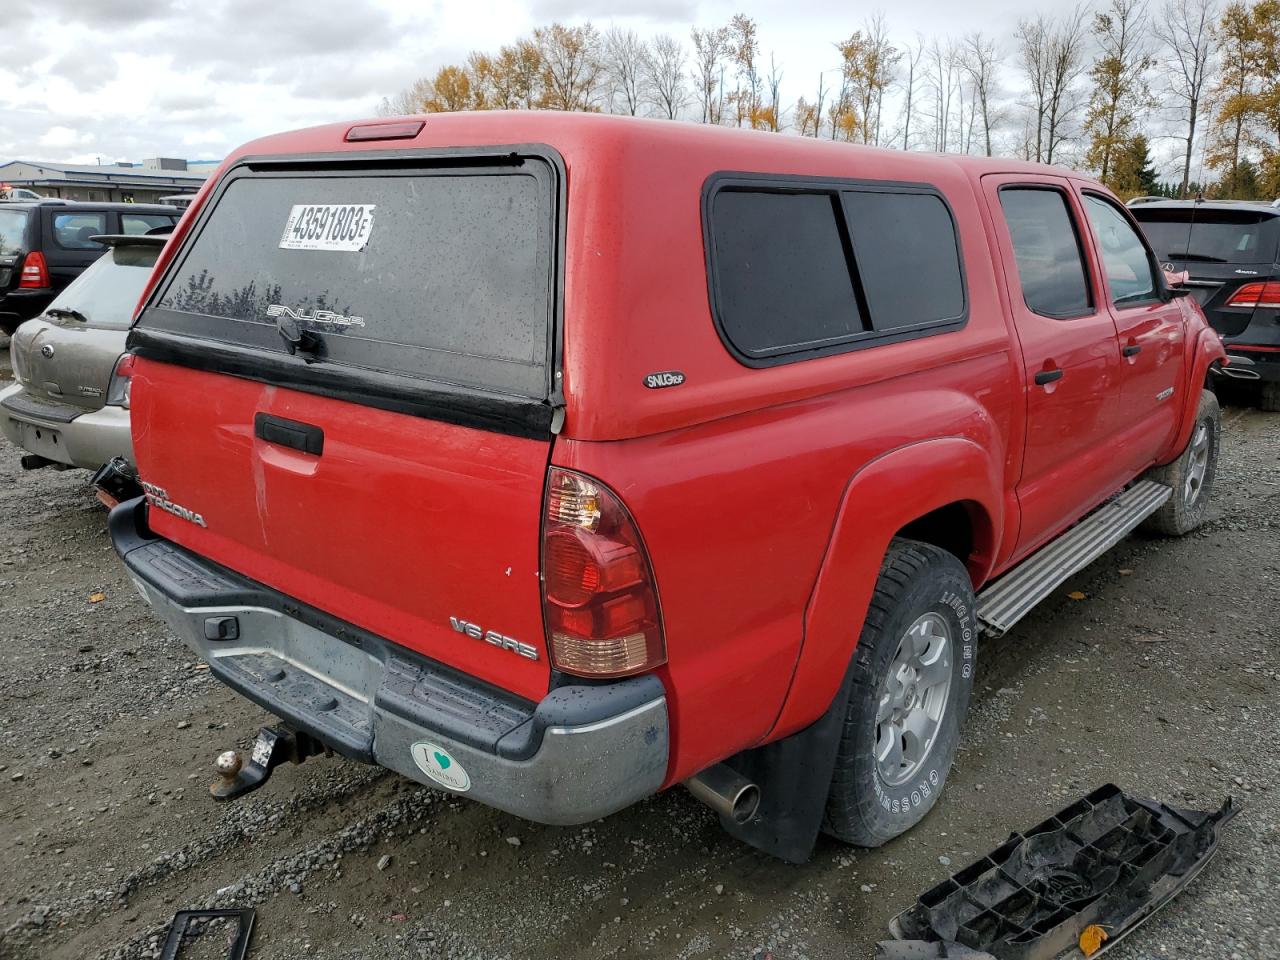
x=1231, y=249
x=44, y=245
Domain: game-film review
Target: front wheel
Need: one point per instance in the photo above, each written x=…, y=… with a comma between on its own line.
x=913, y=675
x=1190, y=475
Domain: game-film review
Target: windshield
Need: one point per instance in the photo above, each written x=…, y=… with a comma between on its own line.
x=13, y=224
x=441, y=274
x=1214, y=236
x=107, y=293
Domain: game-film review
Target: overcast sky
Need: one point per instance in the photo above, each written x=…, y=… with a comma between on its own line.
x=130, y=79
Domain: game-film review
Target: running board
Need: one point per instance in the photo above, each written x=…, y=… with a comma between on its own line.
x=1011, y=597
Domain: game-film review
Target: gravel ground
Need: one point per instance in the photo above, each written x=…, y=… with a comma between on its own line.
x=1162, y=679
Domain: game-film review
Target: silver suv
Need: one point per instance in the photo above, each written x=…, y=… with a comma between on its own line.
x=70, y=404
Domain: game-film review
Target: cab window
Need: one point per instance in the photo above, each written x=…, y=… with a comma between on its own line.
x=1125, y=258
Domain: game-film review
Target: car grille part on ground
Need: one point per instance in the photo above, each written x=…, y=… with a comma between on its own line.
x=1072, y=886
x=116, y=481
x=180, y=931
x=1012, y=596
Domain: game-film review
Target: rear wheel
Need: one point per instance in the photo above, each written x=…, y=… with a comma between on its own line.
x=1190, y=475
x=913, y=674
x=1269, y=396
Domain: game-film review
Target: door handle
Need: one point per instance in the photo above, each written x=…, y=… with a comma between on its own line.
x=1131, y=350
x=289, y=433
x=1048, y=376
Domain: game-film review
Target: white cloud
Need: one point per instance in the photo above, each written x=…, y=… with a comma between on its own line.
x=64, y=138
x=145, y=78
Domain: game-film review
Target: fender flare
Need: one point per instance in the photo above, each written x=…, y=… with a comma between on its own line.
x=1208, y=350
x=880, y=499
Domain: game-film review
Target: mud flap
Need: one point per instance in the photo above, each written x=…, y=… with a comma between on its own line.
x=1074, y=885
x=794, y=775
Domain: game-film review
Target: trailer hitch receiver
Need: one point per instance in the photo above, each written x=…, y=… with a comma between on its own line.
x=274, y=746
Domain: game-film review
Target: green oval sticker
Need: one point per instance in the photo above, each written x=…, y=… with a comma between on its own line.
x=438, y=764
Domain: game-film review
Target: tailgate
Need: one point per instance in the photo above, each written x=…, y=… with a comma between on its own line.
x=343, y=392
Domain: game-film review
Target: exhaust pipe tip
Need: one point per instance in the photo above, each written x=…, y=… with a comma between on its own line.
x=726, y=792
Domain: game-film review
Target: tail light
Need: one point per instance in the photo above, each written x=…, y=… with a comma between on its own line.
x=35, y=272
x=1264, y=295
x=119, y=388
x=599, y=598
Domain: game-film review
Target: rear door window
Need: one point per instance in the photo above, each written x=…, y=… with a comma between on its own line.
x=72, y=231
x=13, y=228
x=1046, y=247
x=141, y=223
x=441, y=274
x=801, y=269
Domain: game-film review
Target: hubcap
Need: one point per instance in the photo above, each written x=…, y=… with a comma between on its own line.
x=1197, y=465
x=913, y=699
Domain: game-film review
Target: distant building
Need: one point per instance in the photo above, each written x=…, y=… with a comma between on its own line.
x=146, y=182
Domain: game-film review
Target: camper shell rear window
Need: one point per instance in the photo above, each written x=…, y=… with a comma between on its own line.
x=439, y=272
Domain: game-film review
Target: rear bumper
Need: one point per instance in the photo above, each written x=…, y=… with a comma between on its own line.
x=581, y=753
x=84, y=439
x=1265, y=362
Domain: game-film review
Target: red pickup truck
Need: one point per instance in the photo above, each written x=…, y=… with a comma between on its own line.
x=555, y=460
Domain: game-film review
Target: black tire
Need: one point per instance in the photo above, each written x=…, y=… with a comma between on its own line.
x=1269, y=396
x=917, y=582
x=1187, y=508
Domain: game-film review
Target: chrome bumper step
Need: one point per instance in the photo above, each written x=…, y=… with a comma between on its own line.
x=1010, y=598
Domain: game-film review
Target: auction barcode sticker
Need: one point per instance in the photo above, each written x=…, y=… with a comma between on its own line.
x=328, y=226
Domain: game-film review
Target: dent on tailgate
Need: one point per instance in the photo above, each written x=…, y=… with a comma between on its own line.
x=401, y=524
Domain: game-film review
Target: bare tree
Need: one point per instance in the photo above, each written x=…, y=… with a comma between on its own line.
x=625, y=55
x=571, y=66
x=710, y=47
x=773, y=112
x=980, y=59
x=1066, y=63
x=943, y=80
x=1184, y=29
x=1033, y=37
x=1051, y=54
x=664, y=72
x=744, y=52
x=412, y=99
x=914, y=56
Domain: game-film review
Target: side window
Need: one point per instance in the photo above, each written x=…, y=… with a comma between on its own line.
x=73, y=230
x=1130, y=276
x=782, y=273
x=799, y=271
x=908, y=257
x=1047, y=250
x=141, y=223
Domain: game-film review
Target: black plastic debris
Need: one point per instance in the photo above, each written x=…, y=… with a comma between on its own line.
x=1108, y=860
x=180, y=932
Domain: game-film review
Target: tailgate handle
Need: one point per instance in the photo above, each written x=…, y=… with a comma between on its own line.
x=289, y=433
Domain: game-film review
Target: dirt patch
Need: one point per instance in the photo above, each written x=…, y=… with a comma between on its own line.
x=1162, y=679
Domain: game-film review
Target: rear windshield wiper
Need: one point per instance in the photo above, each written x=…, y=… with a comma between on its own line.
x=1202, y=257
x=66, y=313
x=297, y=339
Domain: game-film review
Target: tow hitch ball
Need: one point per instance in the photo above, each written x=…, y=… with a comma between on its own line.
x=274, y=746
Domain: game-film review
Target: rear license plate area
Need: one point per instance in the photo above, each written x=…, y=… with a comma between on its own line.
x=42, y=441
